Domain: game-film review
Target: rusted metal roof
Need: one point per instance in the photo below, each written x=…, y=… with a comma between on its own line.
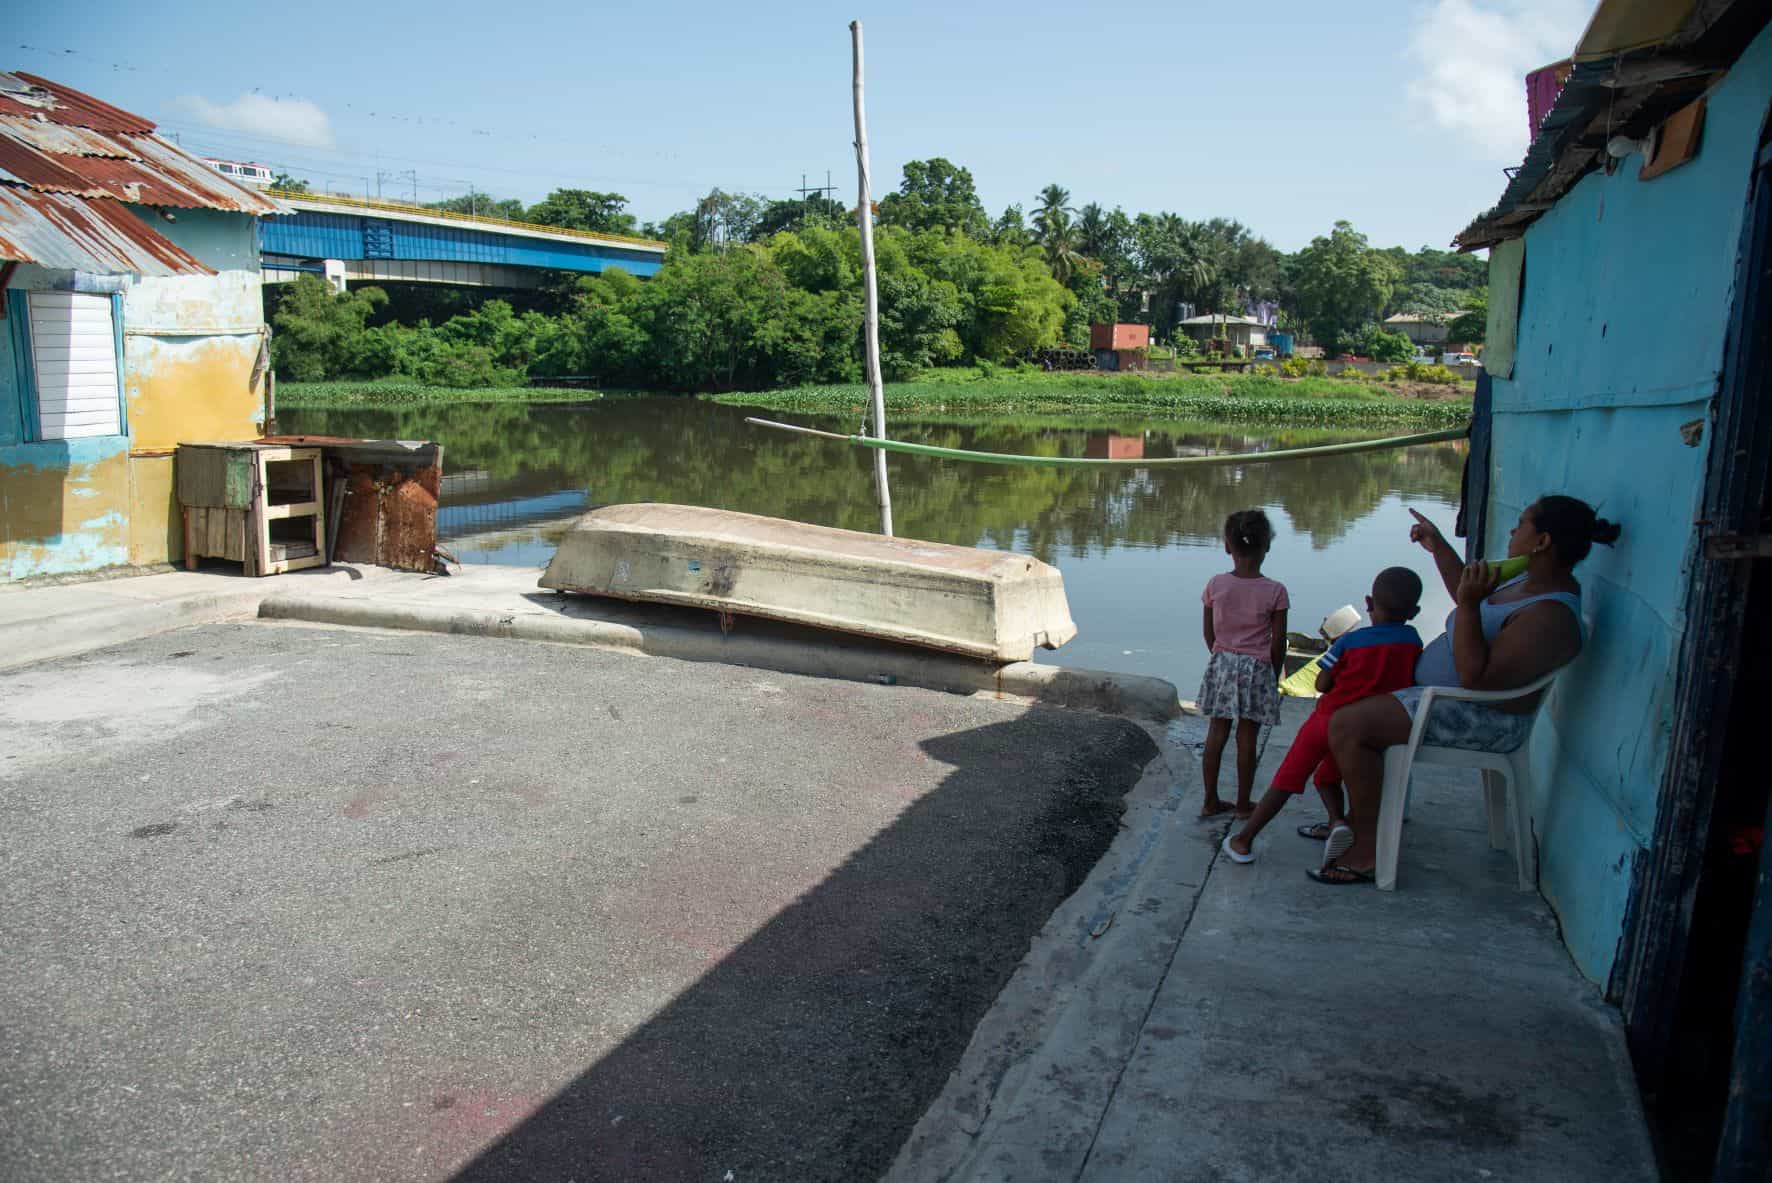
x=85, y=234
x=89, y=156
x=63, y=104
x=63, y=140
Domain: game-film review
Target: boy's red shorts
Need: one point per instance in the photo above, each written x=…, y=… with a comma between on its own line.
x=1309, y=750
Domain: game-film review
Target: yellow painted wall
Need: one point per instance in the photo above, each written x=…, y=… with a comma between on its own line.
x=191, y=390
x=156, y=533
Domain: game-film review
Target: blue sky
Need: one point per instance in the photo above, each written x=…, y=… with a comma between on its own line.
x=1287, y=116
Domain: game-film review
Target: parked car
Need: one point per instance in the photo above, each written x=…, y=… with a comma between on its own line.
x=1263, y=353
x=1455, y=360
x=1352, y=357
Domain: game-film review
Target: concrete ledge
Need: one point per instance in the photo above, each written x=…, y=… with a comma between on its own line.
x=782, y=649
x=1043, y=1064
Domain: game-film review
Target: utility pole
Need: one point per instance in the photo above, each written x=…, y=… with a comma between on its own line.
x=806, y=190
x=864, y=214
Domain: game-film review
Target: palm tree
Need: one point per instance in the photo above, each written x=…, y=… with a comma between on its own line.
x=1054, y=211
x=1093, y=237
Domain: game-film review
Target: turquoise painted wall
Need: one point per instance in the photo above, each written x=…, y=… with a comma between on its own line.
x=215, y=238
x=1623, y=316
x=11, y=405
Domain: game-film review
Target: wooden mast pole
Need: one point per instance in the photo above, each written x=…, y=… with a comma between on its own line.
x=864, y=215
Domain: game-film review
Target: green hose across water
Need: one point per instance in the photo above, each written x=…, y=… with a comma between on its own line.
x=1395, y=441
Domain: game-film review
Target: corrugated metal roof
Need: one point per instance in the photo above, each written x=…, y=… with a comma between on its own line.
x=63, y=140
x=84, y=234
x=63, y=104
x=56, y=142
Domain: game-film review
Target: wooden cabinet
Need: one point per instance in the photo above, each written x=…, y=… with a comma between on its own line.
x=255, y=504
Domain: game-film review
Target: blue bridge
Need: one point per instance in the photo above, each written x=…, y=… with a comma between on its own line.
x=346, y=239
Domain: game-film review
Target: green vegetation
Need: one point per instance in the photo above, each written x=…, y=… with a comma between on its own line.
x=396, y=392
x=1415, y=371
x=757, y=295
x=1254, y=398
x=991, y=393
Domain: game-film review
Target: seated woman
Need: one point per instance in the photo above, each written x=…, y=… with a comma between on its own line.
x=1497, y=638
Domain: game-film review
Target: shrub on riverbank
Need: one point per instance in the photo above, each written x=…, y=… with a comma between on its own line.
x=1253, y=398
x=398, y=392
x=1230, y=398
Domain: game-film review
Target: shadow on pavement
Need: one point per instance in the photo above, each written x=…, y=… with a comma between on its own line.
x=811, y=1051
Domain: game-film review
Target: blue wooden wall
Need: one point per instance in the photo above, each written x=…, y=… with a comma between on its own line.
x=1624, y=310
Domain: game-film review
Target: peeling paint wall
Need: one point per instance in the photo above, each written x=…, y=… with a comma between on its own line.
x=64, y=506
x=1623, y=317
x=188, y=351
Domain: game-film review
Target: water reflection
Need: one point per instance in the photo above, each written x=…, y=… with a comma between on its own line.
x=517, y=475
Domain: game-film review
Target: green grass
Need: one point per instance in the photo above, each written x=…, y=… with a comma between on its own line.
x=401, y=392
x=1246, y=398
x=969, y=395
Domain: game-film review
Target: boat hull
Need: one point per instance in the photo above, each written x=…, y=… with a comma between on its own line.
x=987, y=604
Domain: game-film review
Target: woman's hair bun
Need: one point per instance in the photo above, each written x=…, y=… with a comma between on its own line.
x=1605, y=533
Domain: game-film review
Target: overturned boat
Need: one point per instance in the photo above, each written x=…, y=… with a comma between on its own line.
x=987, y=604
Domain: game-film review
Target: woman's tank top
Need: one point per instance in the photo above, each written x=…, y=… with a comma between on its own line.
x=1435, y=666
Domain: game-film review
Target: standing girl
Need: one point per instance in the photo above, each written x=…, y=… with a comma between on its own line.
x=1245, y=624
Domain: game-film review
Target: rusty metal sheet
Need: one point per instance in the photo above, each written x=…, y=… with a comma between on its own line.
x=60, y=139
x=389, y=517
x=143, y=170
x=39, y=170
x=81, y=234
x=63, y=104
x=209, y=189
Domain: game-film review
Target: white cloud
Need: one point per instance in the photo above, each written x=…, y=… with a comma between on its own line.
x=1472, y=58
x=295, y=121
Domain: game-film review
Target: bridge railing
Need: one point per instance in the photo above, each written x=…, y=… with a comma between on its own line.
x=402, y=207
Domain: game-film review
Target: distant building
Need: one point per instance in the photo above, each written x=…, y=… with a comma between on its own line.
x=1241, y=331
x=129, y=281
x=1421, y=328
x=1120, y=346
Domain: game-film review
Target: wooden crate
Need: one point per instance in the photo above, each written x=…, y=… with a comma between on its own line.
x=256, y=504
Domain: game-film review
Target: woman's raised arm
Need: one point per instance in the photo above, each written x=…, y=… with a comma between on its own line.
x=1445, y=558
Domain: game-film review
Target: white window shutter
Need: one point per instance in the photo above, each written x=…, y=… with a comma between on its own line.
x=74, y=356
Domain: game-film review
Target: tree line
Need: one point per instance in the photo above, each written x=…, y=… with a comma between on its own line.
x=755, y=293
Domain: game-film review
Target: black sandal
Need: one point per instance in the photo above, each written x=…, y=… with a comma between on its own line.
x=1316, y=831
x=1334, y=872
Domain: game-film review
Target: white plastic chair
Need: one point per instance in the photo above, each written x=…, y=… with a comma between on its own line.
x=1507, y=779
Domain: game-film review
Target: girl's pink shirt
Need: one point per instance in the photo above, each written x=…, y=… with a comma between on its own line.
x=1243, y=613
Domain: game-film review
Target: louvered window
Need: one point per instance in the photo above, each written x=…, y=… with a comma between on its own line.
x=74, y=361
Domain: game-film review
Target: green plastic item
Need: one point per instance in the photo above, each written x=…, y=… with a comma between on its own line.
x=1508, y=568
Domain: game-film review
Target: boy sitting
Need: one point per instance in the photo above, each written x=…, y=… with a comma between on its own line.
x=1362, y=662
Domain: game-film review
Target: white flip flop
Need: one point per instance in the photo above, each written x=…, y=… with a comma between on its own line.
x=1231, y=852
x=1339, y=842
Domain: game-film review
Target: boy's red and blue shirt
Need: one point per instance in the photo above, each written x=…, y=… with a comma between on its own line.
x=1372, y=660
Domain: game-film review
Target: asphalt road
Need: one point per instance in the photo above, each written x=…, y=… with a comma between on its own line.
x=292, y=903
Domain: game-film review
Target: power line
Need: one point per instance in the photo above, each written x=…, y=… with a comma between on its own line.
x=256, y=141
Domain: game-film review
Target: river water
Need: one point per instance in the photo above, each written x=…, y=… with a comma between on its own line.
x=1135, y=545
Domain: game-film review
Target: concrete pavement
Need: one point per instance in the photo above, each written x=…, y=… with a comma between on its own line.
x=284, y=902
x=1184, y=1017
